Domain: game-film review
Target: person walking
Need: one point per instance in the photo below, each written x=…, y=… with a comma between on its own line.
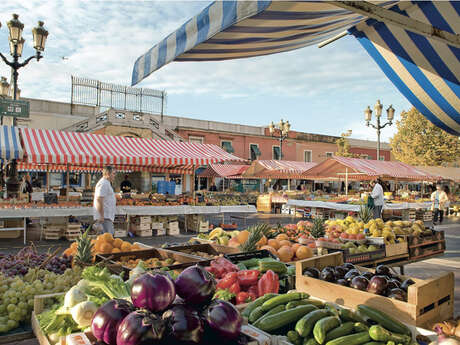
x=377, y=196
x=104, y=204
x=438, y=203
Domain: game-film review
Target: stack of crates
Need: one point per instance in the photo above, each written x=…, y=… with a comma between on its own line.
x=141, y=226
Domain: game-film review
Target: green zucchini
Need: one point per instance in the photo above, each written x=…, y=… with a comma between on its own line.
x=250, y=262
x=277, y=309
x=306, y=324
x=374, y=343
x=349, y=315
x=354, y=339
x=257, y=303
x=391, y=342
x=256, y=314
x=344, y=329
x=294, y=304
x=310, y=341
x=333, y=308
x=283, y=299
x=378, y=333
x=323, y=326
x=284, y=318
x=276, y=266
x=360, y=327
x=317, y=303
x=294, y=337
x=383, y=319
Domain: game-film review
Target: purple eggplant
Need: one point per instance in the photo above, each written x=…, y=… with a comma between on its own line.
x=378, y=285
x=107, y=319
x=154, y=292
x=140, y=328
x=224, y=319
x=195, y=286
x=183, y=325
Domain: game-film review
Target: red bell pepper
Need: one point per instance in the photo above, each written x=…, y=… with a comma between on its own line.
x=252, y=296
x=248, y=277
x=228, y=280
x=235, y=288
x=243, y=297
x=254, y=290
x=268, y=283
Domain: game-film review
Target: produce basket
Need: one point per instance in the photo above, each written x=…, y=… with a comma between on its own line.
x=428, y=301
x=203, y=251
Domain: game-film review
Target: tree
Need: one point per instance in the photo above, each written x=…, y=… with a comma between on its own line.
x=343, y=146
x=419, y=142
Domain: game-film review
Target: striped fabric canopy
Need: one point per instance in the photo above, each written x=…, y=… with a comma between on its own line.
x=230, y=171
x=278, y=169
x=364, y=169
x=44, y=146
x=425, y=71
x=10, y=145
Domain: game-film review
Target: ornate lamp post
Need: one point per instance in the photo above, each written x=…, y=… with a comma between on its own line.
x=15, y=28
x=378, y=113
x=283, y=128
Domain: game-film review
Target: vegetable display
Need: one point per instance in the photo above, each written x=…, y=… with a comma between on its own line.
x=223, y=318
x=154, y=292
x=195, y=285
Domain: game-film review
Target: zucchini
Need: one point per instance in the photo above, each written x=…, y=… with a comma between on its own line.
x=276, y=266
x=378, y=333
x=306, y=324
x=294, y=304
x=317, y=303
x=349, y=315
x=275, y=310
x=344, y=329
x=383, y=319
x=283, y=299
x=333, y=308
x=257, y=303
x=284, y=318
x=310, y=341
x=256, y=314
x=360, y=327
x=374, y=343
x=391, y=343
x=250, y=262
x=354, y=339
x=323, y=326
x=294, y=337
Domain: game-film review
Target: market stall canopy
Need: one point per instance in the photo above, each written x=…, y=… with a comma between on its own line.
x=44, y=146
x=10, y=145
x=278, y=169
x=229, y=171
x=425, y=69
x=447, y=173
x=364, y=169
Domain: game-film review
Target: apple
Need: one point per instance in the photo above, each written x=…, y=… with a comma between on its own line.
x=360, y=237
x=352, y=237
x=344, y=235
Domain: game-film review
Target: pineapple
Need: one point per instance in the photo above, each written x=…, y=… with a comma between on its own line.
x=255, y=234
x=318, y=228
x=84, y=255
x=365, y=214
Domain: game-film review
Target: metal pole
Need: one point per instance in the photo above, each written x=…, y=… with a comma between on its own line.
x=15, y=73
x=378, y=138
x=346, y=181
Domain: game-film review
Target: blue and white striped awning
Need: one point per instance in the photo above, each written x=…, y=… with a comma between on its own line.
x=10, y=145
x=425, y=71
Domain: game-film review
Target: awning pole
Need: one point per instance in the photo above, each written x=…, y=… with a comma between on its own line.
x=68, y=183
x=346, y=181
x=193, y=186
x=47, y=178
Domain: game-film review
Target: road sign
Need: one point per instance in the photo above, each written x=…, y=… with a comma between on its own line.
x=9, y=107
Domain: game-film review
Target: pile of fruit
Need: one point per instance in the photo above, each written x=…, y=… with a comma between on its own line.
x=353, y=248
x=37, y=204
x=286, y=250
x=148, y=263
x=294, y=231
x=382, y=282
x=311, y=322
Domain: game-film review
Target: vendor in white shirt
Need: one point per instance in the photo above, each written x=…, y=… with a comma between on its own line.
x=104, y=204
x=377, y=195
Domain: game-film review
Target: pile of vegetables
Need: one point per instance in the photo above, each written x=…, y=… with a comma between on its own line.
x=310, y=322
x=249, y=279
x=177, y=312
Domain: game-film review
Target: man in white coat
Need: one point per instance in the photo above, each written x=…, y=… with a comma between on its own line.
x=377, y=195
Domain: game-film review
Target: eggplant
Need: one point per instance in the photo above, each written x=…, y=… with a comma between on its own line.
x=195, y=286
x=359, y=283
x=312, y=272
x=328, y=274
x=343, y=282
x=107, y=319
x=382, y=270
x=398, y=294
x=405, y=284
x=368, y=275
x=224, y=319
x=154, y=292
x=348, y=266
x=183, y=325
x=351, y=274
x=378, y=285
x=140, y=328
x=393, y=284
x=340, y=272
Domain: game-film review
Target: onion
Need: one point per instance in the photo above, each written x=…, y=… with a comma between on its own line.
x=154, y=292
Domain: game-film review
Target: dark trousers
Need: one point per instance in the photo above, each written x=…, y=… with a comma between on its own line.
x=377, y=210
x=437, y=212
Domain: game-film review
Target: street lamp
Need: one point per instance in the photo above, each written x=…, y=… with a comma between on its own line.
x=15, y=28
x=283, y=128
x=378, y=113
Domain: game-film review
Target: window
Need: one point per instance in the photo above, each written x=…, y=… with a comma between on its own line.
x=227, y=146
x=329, y=154
x=382, y=158
x=276, y=153
x=254, y=151
x=120, y=115
x=307, y=155
x=137, y=117
x=196, y=140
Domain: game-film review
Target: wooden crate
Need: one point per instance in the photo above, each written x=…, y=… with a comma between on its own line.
x=429, y=301
x=52, y=233
x=173, y=228
x=396, y=249
x=120, y=233
x=422, y=250
x=143, y=233
x=73, y=231
x=140, y=227
x=141, y=220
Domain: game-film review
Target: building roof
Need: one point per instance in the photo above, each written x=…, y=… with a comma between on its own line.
x=368, y=144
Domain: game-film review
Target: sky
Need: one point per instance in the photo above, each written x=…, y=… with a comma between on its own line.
x=318, y=90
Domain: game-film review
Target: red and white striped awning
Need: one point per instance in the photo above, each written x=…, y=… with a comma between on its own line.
x=278, y=169
x=44, y=146
x=229, y=171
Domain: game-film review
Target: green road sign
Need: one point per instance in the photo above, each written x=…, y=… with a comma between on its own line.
x=9, y=107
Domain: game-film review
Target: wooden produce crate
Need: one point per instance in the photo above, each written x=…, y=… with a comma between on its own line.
x=53, y=232
x=144, y=233
x=430, y=249
x=173, y=228
x=137, y=220
x=72, y=231
x=140, y=227
x=264, y=203
x=120, y=233
x=396, y=249
x=194, y=248
x=428, y=301
x=425, y=238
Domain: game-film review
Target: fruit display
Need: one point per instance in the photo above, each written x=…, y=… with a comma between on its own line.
x=381, y=282
x=18, y=205
x=148, y=263
x=356, y=248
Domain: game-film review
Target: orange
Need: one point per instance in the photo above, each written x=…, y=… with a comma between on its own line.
x=263, y=241
x=303, y=252
x=106, y=248
x=116, y=250
x=285, y=243
x=117, y=242
x=135, y=247
x=273, y=243
x=98, y=247
x=107, y=237
x=74, y=245
x=285, y=253
x=243, y=236
x=125, y=247
x=282, y=237
x=295, y=246
x=270, y=249
x=68, y=252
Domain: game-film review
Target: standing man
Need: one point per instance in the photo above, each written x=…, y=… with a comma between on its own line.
x=126, y=185
x=104, y=200
x=377, y=196
x=438, y=199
